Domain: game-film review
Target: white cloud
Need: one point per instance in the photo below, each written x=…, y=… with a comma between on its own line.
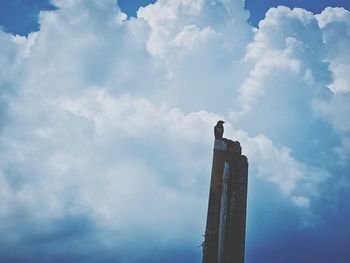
x=111, y=119
x=301, y=201
x=335, y=22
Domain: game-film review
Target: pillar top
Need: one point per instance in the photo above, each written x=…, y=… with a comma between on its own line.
x=220, y=145
x=227, y=145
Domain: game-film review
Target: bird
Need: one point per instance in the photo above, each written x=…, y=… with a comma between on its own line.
x=219, y=130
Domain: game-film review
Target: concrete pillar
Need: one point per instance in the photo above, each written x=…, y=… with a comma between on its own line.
x=210, y=248
x=226, y=220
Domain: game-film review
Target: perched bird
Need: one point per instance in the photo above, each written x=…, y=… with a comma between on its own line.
x=219, y=130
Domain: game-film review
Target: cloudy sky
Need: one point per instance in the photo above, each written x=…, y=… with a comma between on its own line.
x=106, y=117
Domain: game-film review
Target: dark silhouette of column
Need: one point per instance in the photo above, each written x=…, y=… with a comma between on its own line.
x=226, y=220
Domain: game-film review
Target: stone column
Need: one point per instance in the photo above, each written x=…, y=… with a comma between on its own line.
x=226, y=220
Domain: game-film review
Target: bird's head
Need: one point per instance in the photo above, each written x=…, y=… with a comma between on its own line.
x=221, y=122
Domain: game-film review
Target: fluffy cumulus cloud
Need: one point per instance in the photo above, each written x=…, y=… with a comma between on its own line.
x=336, y=22
x=106, y=126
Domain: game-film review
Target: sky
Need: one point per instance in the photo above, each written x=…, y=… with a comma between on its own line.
x=106, y=127
x=21, y=17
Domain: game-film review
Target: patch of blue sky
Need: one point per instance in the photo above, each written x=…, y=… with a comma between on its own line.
x=21, y=16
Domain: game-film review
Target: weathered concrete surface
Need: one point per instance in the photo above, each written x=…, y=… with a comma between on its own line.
x=226, y=220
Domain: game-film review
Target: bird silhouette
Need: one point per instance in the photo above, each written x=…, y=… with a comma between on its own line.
x=219, y=130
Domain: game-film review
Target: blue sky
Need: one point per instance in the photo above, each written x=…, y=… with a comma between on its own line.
x=106, y=127
x=21, y=17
